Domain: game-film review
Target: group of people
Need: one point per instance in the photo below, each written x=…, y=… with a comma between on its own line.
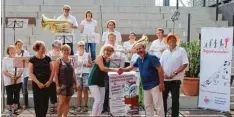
x=161, y=70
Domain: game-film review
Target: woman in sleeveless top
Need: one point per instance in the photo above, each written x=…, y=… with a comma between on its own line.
x=41, y=72
x=97, y=77
x=24, y=53
x=53, y=95
x=65, y=79
x=82, y=74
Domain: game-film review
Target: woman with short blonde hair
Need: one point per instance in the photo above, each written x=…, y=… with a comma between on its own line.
x=65, y=80
x=97, y=77
x=82, y=73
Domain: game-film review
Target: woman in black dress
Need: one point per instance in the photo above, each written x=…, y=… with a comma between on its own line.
x=41, y=72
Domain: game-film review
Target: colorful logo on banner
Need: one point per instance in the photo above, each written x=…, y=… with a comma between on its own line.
x=216, y=46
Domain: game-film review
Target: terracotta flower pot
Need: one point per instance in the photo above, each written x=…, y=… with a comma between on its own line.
x=190, y=86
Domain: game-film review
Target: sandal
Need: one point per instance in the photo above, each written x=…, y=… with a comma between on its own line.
x=52, y=109
x=78, y=109
x=85, y=109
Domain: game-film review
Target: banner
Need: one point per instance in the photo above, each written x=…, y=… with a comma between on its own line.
x=123, y=94
x=215, y=70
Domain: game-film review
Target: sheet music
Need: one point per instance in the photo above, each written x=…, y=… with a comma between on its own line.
x=20, y=23
x=117, y=62
x=68, y=38
x=20, y=62
x=93, y=38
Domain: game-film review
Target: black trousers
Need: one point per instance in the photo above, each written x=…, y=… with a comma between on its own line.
x=52, y=93
x=174, y=88
x=13, y=93
x=106, y=100
x=41, y=100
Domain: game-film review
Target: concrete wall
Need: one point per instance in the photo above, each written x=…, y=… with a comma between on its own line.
x=228, y=11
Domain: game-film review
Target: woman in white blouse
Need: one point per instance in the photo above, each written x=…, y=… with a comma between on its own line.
x=88, y=27
x=82, y=74
x=12, y=79
x=111, y=24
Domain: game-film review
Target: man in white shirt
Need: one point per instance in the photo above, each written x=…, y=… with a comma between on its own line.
x=174, y=61
x=158, y=46
x=67, y=16
x=111, y=24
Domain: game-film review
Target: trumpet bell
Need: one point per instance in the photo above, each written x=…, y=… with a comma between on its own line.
x=143, y=40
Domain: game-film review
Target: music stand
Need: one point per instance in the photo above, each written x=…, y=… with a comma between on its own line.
x=175, y=17
x=66, y=39
x=16, y=23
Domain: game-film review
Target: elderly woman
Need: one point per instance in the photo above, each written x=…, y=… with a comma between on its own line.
x=20, y=51
x=88, y=27
x=56, y=51
x=12, y=79
x=82, y=74
x=65, y=79
x=40, y=70
x=97, y=77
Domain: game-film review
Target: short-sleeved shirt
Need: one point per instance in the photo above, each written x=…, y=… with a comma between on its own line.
x=148, y=71
x=8, y=65
x=70, y=18
x=172, y=61
x=158, y=45
x=105, y=37
x=41, y=68
x=89, y=27
x=24, y=53
x=97, y=76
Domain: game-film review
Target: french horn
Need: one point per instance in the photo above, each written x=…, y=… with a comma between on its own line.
x=56, y=26
x=144, y=40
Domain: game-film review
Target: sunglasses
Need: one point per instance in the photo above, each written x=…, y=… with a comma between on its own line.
x=67, y=9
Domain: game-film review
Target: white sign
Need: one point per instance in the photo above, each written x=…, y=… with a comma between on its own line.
x=215, y=70
x=124, y=99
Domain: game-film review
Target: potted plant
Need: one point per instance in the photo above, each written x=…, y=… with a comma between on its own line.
x=190, y=84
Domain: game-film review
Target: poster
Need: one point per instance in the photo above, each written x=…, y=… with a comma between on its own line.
x=215, y=70
x=123, y=94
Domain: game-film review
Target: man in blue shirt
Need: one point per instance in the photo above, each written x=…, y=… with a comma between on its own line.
x=152, y=78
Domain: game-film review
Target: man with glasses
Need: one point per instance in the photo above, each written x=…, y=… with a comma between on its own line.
x=67, y=16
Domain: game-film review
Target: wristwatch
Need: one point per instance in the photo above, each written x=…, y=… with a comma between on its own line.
x=175, y=73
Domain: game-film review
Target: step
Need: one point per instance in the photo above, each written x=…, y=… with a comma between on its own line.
x=186, y=102
x=188, y=113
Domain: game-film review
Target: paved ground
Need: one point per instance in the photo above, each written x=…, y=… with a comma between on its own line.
x=186, y=113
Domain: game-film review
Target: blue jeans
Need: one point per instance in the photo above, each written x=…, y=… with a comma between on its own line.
x=92, y=49
x=25, y=85
x=25, y=90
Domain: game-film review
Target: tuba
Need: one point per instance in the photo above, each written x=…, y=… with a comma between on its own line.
x=144, y=40
x=56, y=26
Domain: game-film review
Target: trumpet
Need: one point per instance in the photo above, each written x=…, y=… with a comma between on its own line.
x=144, y=39
x=56, y=26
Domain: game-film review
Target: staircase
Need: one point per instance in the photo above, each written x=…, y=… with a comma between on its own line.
x=140, y=16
